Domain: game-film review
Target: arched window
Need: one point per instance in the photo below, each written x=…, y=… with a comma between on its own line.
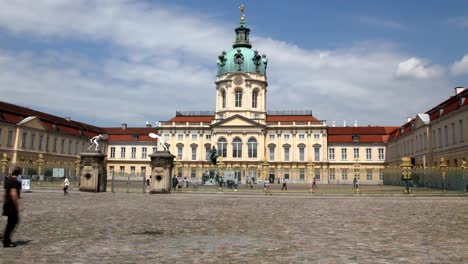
x=223, y=99
x=252, y=148
x=237, y=148
x=222, y=147
x=238, y=98
x=254, y=99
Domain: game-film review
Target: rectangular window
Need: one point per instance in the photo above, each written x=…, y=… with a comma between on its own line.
x=381, y=174
x=440, y=137
x=433, y=138
x=271, y=136
x=180, y=137
x=83, y=147
x=33, y=140
x=344, y=174
x=446, y=135
x=316, y=136
x=143, y=170
x=144, y=152
x=194, y=153
x=424, y=140
x=331, y=154
x=317, y=154
x=369, y=174
x=154, y=149
x=111, y=171
x=132, y=170
x=23, y=140
x=301, y=136
x=460, y=124
x=286, y=153
x=179, y=151
x=286, y=174
x=317, y=173
x=332, y=174
x=122, y=152
x=1, y=136
x=41, y=138
x=70, y=144
x=112, y=152
x=368, y=153
x=133, y=152
x=193, y=173
x=207, y=152
x=76, y=147
x=208, y=137
x=10, y=138
x=356, y=153
x=301, y=153
x=271, y=153
x=286, y=136
x=302, y=174
x=194, y=136
x=62, y=146
x=381, y=154
x=55, y=145
x=344, y=154
x=122, y=170
x=167, y=136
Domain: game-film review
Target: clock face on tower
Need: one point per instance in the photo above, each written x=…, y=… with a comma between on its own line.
x=238, y=80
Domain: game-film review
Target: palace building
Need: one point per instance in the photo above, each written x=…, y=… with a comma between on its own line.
x=253, y=142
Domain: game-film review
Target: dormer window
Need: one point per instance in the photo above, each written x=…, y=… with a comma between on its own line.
x=441, y=111
x=355, y=138
x=460, y=103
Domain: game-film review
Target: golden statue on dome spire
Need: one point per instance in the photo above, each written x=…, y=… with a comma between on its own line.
x=241, y=8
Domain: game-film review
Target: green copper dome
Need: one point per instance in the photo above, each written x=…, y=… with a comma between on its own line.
x=242, y=58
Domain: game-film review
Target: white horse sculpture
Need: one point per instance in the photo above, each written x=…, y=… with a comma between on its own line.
x=161, y=140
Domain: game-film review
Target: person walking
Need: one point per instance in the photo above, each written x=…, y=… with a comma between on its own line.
x=148, y=182
x=11, y=206
x=285, y=187
x=314, y=184
x=65, y=185
x=175, y=181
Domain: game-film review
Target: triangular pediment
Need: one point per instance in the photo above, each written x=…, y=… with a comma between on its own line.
x=32, y=122
x=237, y=121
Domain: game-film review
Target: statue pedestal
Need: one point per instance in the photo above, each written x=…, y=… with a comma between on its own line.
x=93, y=176
x=162, y=163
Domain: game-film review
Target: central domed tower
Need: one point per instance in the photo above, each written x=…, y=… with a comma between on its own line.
x=241, y=78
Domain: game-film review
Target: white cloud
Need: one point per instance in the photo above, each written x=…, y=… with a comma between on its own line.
x=163, y=59
x=461, y=66
x=419, y=69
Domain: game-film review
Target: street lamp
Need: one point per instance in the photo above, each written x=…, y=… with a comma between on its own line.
x=357, y=174
x=443, y=168
x=406, y=177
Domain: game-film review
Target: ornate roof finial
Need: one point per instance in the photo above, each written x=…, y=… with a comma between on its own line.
x=241, y=8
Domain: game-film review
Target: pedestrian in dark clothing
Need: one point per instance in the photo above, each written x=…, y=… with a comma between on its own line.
x=314, y=185
x=11, y=206
x=175, y=182
x=285, y=187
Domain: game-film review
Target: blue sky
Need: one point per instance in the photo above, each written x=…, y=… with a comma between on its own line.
x=112, y=62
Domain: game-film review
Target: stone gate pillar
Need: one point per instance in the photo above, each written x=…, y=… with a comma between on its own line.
x=93, y=176
x=162, y=163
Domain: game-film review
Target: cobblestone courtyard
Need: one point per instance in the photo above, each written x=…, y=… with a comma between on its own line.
x=230, y=228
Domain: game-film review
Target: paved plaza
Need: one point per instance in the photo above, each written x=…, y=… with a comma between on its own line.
x=238, y=228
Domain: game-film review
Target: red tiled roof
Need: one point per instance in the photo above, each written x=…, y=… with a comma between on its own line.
x=380, y=130
x=290, y=118
x=192, y=119
x=362, y=138
x=130, y=130
x=14, y=114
